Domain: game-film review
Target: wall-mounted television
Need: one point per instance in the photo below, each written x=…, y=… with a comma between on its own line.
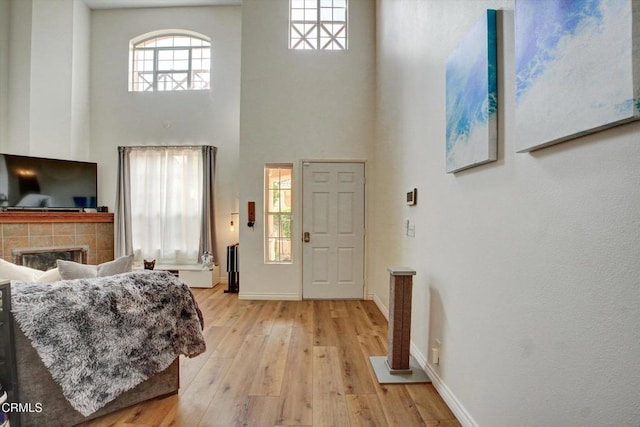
x=34, y=183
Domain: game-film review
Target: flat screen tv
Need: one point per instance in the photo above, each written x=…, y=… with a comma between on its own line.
x=34, y=183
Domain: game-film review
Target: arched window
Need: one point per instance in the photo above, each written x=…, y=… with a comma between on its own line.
x=169, y=60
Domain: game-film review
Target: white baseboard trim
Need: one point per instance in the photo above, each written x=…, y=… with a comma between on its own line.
x=384, y=310
x=445, y=392
x=277, y=297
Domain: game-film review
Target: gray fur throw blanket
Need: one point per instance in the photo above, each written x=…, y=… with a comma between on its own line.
x=103, y=336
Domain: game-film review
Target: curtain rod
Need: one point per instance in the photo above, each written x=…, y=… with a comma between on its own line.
x=164, y=146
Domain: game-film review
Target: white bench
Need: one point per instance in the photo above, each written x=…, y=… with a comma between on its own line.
x=191, y=274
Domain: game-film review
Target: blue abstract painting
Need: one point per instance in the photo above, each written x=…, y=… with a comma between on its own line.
x=472, y=98
x=576, y=69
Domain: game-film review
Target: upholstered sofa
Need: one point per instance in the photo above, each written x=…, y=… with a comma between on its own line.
x=35, y=385
x=43, y=396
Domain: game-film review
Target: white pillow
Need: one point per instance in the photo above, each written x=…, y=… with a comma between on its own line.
x=70, y=270
x=11, y=271
x=49, y=276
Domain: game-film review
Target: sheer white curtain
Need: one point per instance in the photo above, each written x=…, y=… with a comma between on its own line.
x=166, y=203
x=163, y=203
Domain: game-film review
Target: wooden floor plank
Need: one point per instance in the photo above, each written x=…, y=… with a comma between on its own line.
x=228, y=404
x=261, y=411
x=362, y=322
x=271, y=369
x=324, y=332
x=266, y=318
x=286, y=315
x=329, y=401
x=295, y=403
x=229, y=345
x=429, y=404
x=189, y=367
x=399, y=409
x=338, y=309
x=353, y=363
x=375, y=317
x=199, y=393
x=365, y=410
x=304, y=316
x=287, y=363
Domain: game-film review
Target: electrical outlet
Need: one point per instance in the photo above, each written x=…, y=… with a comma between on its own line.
x=435, y=353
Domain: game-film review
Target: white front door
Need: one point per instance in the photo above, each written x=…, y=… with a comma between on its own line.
x=333, y=230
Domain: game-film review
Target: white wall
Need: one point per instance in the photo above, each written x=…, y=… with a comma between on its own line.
x=80, y=81
x=47, y=73
x=4, y=70
x=527, y=268
x=19, y=90
x=51, y=55
x=297, y=105
x=120, y=118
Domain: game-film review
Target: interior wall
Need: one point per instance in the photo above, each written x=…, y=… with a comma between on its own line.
x=527, y=268
x=80, y=81
x=311, y=105
x=51, y=59
x=4, y=70
x=120, y=118
x=19, y=77
x=47, y=73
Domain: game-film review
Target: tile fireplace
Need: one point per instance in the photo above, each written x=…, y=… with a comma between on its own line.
x=47, y=230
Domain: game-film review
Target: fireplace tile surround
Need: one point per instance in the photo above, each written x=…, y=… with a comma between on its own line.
x=44, y=229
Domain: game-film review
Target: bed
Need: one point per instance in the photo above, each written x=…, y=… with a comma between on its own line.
x=86, y=347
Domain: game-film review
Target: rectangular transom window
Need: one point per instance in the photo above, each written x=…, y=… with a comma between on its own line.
x=318, y=24
x=277, y=208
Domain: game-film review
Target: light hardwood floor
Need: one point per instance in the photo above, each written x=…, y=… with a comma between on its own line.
x=287, y=363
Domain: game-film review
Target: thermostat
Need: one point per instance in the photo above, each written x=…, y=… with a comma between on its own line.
x=412, y=197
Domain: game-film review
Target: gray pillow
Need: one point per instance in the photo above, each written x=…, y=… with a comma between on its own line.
x=117, y=266
x=72, y=270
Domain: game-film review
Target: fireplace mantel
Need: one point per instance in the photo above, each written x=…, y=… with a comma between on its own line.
x=50, y=217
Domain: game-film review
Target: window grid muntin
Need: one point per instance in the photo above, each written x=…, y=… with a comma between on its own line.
x=309, y=28
x=196, y=78
x=278, y=214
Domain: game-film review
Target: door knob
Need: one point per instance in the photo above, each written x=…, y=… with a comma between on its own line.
x=306, y=236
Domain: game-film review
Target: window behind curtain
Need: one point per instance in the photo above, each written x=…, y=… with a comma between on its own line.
x=166, y=204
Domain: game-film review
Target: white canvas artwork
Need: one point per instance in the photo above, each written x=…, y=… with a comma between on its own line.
x=472, y=98
x=576, y=68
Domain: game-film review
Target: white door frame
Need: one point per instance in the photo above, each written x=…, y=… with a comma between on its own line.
x=300, y=231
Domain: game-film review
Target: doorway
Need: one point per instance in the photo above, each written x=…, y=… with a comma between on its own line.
x=333, y=224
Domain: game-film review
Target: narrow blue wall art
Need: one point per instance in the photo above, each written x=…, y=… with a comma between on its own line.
x=472, y=98
x=577, y=71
